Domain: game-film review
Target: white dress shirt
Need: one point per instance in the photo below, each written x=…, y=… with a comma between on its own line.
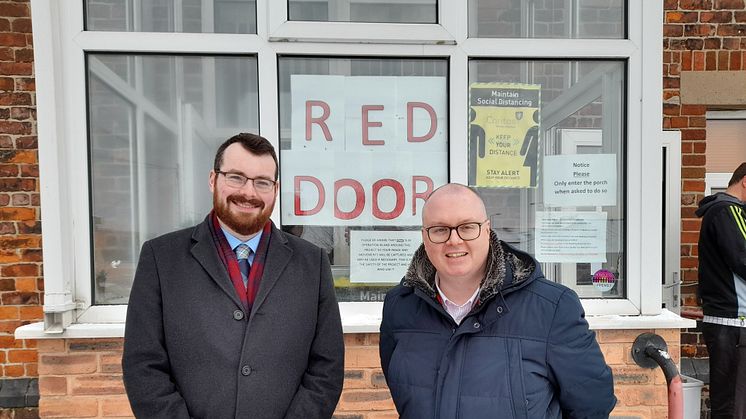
x=458, y=312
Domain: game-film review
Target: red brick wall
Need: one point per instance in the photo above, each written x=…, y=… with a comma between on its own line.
x=699, y=35
x=21, y=286
x=83, y=378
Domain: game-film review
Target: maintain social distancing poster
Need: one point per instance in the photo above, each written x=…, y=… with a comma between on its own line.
x=504, y=138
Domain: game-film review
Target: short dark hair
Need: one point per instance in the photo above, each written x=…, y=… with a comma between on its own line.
x=738, y=174
x=254, y=144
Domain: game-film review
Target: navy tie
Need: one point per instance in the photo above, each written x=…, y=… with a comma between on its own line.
x=242, y=254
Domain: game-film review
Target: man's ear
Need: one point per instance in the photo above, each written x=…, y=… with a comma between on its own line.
x=212, y=180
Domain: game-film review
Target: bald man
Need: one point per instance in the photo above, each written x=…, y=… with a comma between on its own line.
x=474, y=330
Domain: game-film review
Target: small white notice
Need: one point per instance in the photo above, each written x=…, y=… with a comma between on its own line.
x=577, y=180
x=381, y=256
x=570, y=236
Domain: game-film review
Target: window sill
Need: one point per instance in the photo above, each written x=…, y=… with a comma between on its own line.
x=361, y=322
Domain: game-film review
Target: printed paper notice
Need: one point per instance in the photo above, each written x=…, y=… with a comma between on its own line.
x=381, y=256
x=577, y=180
x=570, y=236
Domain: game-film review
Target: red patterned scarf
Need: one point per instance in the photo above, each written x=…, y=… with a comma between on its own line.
x=247, y=293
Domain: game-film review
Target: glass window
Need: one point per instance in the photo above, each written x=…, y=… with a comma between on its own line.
x=154, y=125
x=726, y=147
x=547, y=19
x=363, y=142
x=546, y=151
x=198, y=16
x=380, y=11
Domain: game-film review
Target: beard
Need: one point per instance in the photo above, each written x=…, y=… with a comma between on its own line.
x=243, y=224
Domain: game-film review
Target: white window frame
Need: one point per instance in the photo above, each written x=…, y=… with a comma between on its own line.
x=716, y=181
x=60, y=45
x=671, y=294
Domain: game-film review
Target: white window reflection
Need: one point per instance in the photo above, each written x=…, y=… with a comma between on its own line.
x=588, y=19
x=154, y=125
x=378, y=11
x=562, y=200
x=362, y=141
x=196, y=16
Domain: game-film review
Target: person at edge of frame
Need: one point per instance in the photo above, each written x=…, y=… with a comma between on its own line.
x=722, y=291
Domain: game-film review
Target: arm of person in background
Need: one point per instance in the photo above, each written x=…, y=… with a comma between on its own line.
x=730, y=225
x=583, y=380
x=145, y=364
x=321, y=385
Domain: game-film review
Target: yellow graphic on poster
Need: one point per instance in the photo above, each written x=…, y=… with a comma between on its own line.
x=504, y=135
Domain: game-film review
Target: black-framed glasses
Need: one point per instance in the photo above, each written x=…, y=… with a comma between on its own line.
x=466, y=231
x=237, y=180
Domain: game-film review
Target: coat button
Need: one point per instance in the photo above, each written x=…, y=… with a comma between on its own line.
x=476, y=325
x=499, y=309
x=246, y=370
x=238, y=315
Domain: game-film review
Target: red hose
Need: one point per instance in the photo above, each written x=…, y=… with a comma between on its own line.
x=675, y=399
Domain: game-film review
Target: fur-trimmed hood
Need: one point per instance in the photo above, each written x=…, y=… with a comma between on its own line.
x=500, y=258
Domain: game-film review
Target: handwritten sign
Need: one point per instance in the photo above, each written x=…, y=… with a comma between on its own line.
x=365, y=150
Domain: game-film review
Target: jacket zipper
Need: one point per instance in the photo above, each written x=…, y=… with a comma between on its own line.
x=441, y=376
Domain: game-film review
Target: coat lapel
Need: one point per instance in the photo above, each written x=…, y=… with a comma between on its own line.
x=278, y=256
x=206, y=254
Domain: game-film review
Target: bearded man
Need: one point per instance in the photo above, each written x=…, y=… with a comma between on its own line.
x=233, y=318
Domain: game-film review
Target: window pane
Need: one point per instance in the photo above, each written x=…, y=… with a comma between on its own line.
x=198, y=16
x=546, y=152
x=155, y=123
x=547, y=19
x=726, y=147
x=380, y=11
x=363, y=141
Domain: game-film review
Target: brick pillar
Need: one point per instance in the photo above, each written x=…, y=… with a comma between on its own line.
x=365, y=394
x=21, y=286
x=641, y=393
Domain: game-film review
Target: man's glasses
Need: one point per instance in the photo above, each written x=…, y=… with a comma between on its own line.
x=236, y=180
x=466, y=231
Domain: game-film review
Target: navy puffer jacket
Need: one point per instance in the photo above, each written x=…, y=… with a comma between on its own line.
x=525, y=350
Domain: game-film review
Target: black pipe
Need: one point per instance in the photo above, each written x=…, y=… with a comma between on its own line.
x=663, y=359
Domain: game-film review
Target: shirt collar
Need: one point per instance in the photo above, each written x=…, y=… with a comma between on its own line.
x=468, y=303
x=253, y=242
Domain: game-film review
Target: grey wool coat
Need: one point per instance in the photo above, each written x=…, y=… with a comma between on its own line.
x=190, y=350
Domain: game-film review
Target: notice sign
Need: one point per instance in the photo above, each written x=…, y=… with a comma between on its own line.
x=577, y=180
x=364, y=151
x=504, y=134
x=381, y=256
x=570, y=236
